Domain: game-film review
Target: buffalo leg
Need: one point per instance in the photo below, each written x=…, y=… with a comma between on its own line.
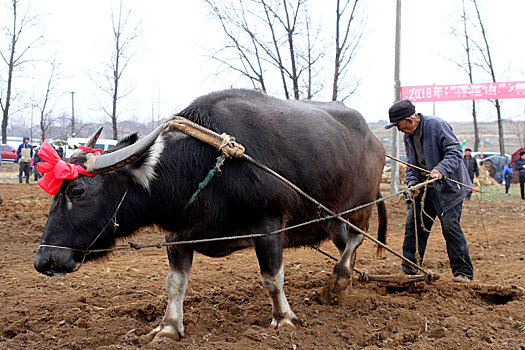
x=180, y=259
x=340, y=283
x=340, y=239
x=269, y=252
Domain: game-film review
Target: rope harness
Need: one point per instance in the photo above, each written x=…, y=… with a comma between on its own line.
x=230, y=148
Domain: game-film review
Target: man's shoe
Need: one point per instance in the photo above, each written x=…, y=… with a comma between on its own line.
x=462, y=279
x=507, y=194
x=408, y=272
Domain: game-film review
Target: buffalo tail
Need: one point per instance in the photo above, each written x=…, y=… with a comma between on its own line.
x=382, y=227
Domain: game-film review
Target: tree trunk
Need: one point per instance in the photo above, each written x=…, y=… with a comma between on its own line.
x=337, y=54
x=42, y=127
x=469, y=65
x=9, y=77
x=290, y=29
x=493, y=75
x=476, y=129
x=500, y=129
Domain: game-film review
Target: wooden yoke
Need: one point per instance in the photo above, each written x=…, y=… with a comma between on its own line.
x=224, y=143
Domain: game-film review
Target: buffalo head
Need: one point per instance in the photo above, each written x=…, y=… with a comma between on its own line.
x=84, y=213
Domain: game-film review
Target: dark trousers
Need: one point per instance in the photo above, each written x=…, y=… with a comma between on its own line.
x=522, y=186
x=457, y=248
x=25, y=167
x=470, y=193
x=507, y=184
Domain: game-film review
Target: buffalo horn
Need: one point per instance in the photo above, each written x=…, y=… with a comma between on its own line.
x=114, y=160
x=92, y=141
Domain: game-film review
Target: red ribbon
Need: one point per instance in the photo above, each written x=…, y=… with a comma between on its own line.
x=86, y=149
x=56, y=169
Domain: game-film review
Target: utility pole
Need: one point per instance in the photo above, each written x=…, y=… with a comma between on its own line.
x=394, y=178
x=72, y=113
x=31, y=126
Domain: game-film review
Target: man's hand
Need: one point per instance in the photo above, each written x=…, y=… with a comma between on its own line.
x=414, y=191
x=435, y=174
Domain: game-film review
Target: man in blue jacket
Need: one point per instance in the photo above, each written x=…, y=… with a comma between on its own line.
x=430, y=144
x=24, y=153
x=520, y=168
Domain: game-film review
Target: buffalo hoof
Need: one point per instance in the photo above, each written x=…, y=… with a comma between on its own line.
x=163, y=334
x=284, y=322
x=336, y=291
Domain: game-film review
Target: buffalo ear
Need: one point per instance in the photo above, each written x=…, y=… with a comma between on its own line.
x=127, y=140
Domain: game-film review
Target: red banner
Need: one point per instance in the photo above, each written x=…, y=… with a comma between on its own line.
x=484, y=91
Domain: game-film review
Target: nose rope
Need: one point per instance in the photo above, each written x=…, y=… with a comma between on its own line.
x=86, y=251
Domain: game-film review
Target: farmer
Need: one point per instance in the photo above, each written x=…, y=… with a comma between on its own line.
x=24, y=153
x=520, y=168
x=430, y=144
x=472, y=167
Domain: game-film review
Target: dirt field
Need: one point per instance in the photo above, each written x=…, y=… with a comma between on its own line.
x=110, y=304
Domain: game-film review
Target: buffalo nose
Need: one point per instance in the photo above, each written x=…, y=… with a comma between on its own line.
x=43, y=264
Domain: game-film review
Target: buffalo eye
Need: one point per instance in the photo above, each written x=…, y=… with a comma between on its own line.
x=76, y=192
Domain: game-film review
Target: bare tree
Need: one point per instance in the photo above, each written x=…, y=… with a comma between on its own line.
x=488, y=66
x=122, y=54
x=247, y=58
x=467, y=66
x=44, y=104
x=290, y=26
x=263, y=36
x=267, y=39
x=14, y=58
x=346, y=44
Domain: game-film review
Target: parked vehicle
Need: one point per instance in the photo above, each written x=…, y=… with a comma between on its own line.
x=477, y=155
x=8, y=153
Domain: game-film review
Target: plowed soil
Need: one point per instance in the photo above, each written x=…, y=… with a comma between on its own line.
x=110, y=304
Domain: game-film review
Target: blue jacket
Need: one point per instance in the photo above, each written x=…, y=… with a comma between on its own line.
x=442, y=152
x=24, y=145
x=519, y=167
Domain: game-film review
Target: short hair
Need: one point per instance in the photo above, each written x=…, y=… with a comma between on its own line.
x=468, y=149
x=522, y=153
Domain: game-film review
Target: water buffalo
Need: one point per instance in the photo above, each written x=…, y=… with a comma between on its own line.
x=324, y=148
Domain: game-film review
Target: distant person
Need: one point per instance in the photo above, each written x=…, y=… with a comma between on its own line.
x=24, y=154
x=60, y=152
x=472, y=167
x=430, y=144
x=36, y=159
x=0, y=169
x=520, y=168
x=507, y=176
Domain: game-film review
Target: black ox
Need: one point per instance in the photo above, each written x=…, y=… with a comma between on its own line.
x=324, y=148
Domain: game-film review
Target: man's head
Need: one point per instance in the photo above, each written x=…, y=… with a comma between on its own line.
x=403, y=115
x=522, y=155
x=468, y=151
x=26, y=140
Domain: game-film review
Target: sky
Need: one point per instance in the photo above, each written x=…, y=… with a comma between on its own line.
x=171, y=67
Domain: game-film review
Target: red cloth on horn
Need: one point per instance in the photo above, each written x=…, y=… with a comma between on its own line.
x=86, y=149
x=56, y=170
